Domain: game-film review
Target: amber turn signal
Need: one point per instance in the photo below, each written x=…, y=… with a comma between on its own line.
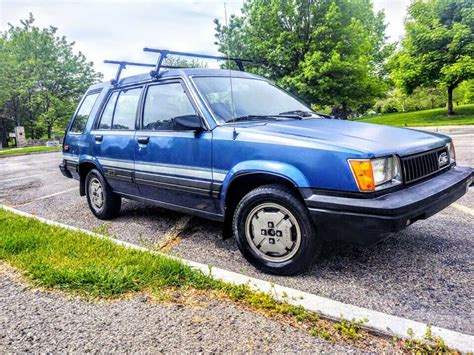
x=364, y=176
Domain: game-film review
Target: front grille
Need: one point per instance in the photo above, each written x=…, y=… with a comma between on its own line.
x=419, y=166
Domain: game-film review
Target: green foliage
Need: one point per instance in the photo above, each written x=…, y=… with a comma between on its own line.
x=438, y=48
x=349, y=329
x=323, y=332
x=426, y=345
x=42, y=79
x=331, y=53
x=421, y=99
x=464, y=93
x=184, y=62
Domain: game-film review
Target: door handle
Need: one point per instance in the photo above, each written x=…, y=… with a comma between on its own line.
x=143, y=140
x=99, y=138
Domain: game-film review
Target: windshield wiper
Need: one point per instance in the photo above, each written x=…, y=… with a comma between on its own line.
x=252, y=118
x=299, y=113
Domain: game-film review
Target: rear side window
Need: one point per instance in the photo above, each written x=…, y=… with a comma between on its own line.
x=126, y=109
x=121, y=109
x=106, y=120
x=82, y=116
x=163, y=103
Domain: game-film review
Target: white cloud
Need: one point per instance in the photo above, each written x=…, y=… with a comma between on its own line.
x=119, y=29
x=395, y=13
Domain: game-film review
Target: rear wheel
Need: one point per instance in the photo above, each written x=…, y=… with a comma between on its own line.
x=103, y=202
x=274, y=231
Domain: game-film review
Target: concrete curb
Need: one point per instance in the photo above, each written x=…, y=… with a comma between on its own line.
x=468, y=129
x=377, y=321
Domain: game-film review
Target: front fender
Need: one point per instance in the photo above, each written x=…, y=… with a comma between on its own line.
x=276, y=168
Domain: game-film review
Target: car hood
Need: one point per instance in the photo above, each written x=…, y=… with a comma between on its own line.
x=364, y=137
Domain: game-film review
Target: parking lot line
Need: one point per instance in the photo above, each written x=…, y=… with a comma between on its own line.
x=463, y=208
x=47, y=196
x=377, y=321
x=27, y=176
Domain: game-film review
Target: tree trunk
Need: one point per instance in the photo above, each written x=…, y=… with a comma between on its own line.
x=450, y=100
x=3, y=133
x=432, y=103
x=49, y=131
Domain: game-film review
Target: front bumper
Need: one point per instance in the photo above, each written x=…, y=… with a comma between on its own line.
x=368, y=220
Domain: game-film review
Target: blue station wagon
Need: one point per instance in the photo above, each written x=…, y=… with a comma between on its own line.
x=234, y=147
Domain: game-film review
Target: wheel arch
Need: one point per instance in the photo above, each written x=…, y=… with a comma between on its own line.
x=83, y=169
x=240, y=182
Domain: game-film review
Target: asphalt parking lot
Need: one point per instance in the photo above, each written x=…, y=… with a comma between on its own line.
x=424, y=273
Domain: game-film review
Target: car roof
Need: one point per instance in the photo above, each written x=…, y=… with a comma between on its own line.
x=184, y=72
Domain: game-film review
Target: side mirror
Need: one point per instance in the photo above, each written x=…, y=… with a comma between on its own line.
x=188, y=123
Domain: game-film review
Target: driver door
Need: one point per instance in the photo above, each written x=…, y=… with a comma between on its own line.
x=172, y=165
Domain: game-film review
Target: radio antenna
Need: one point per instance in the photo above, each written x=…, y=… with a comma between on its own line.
x=230, y=74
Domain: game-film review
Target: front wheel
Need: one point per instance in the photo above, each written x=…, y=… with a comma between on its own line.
x=274, y=231
x=103, y=202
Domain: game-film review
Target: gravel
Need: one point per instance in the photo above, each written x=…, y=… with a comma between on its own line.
x=38, y=321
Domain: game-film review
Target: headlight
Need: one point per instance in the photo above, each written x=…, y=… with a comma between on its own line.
x=452, y=153
x=376, y=174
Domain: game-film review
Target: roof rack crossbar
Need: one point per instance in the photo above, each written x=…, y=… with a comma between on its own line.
x=164, y=53
x=123, y=64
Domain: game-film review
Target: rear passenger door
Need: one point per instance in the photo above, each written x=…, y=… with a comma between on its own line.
x=172, y=165
x=114, y=138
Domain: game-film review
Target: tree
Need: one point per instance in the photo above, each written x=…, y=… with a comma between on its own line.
x=329, y=52
x=464, y=93
x=184, y=62
x=44, y=77
x=438, y=48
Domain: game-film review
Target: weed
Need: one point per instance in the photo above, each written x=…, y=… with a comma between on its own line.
x=349, y=329
x=103, y=229
x=323, y=333
x=426, y=345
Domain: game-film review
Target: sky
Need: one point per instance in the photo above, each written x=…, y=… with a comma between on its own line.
x=119, y=29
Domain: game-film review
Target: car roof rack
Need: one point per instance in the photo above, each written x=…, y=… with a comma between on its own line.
x=165, y=52
x=123, y=65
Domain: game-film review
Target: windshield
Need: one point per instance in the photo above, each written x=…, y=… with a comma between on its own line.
x=252, y=97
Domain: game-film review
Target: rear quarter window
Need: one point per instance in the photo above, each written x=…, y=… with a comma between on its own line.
x=83, y=113
x=126, y=109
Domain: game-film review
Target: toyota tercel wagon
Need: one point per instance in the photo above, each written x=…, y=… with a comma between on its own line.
x=234, y=147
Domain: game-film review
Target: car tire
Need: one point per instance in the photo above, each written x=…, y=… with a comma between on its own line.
x=274, y=231
x=103, y=202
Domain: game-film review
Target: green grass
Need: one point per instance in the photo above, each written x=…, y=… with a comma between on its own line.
x=436, y=117
x=55, y=257
x=75, y=262
x=28, y=150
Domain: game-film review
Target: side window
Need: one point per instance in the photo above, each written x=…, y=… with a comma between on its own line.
x=163, y=103
x=82, y=116
x=126, y=109
x=106, y=119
